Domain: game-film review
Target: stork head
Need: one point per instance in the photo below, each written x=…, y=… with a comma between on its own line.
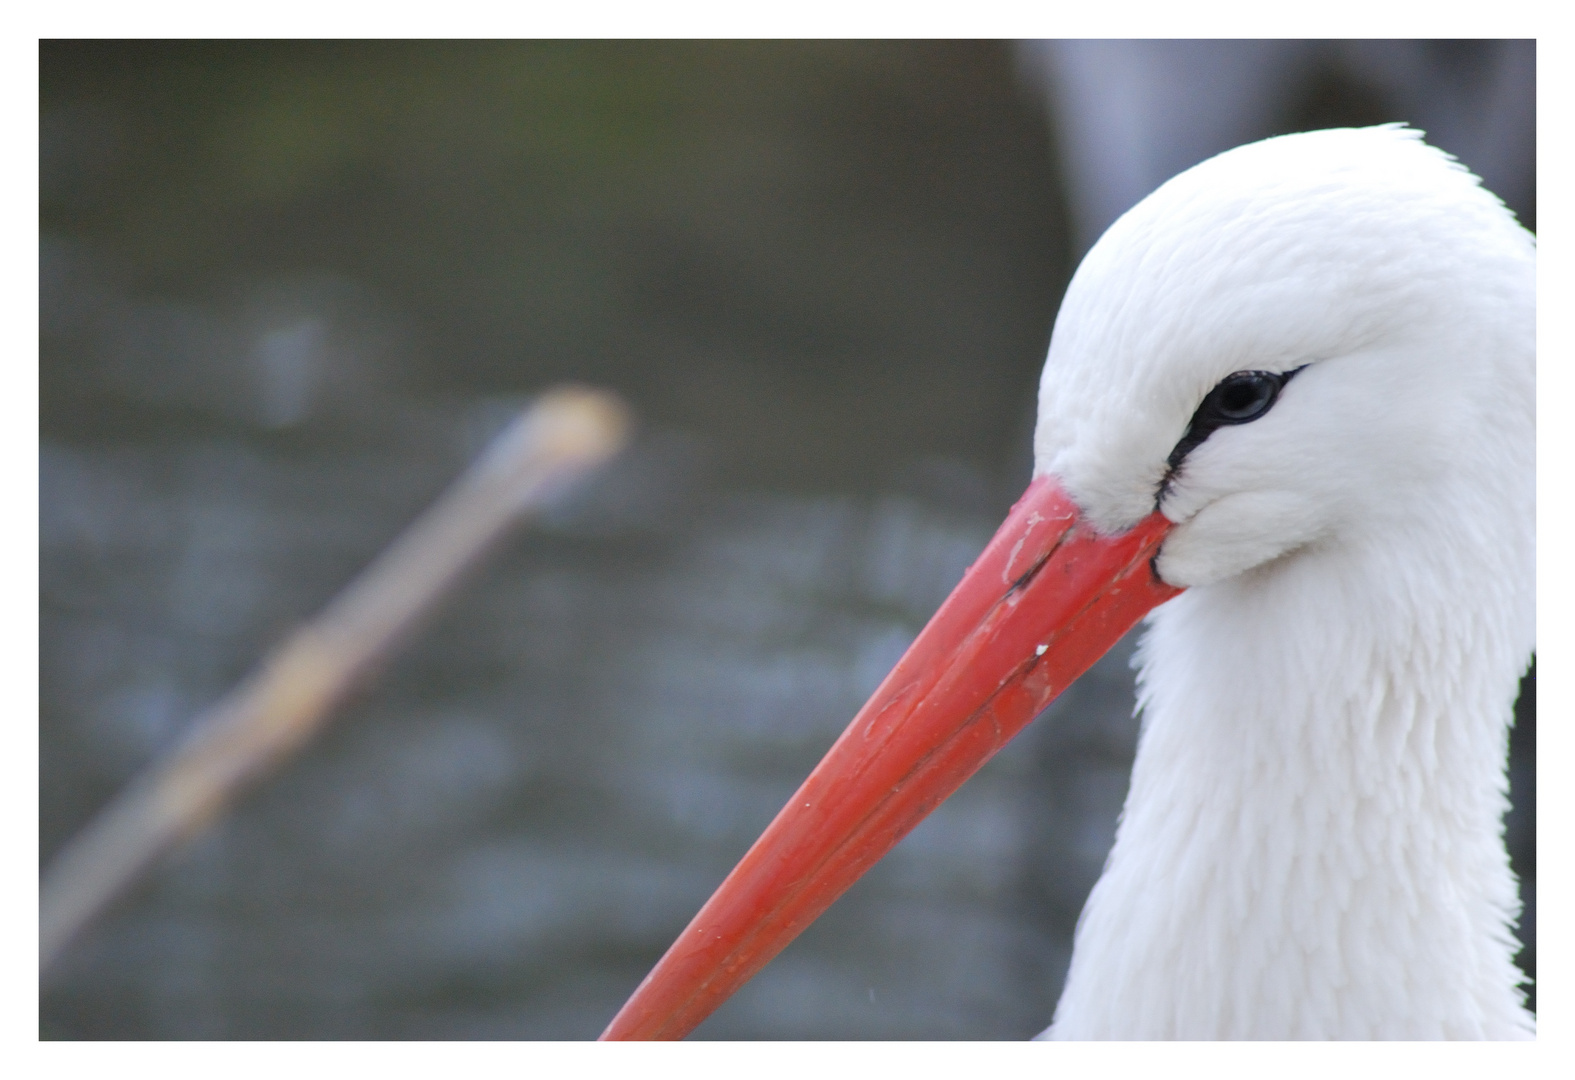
x=1279, y=351
x=1287, y=345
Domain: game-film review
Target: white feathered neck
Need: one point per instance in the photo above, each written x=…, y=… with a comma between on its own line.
x=1312, y=843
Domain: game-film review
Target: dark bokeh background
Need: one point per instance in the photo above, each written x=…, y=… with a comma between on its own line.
x=287, y=289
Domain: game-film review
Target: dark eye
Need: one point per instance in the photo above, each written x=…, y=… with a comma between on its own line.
x=1238, y=399
x=1241, y=397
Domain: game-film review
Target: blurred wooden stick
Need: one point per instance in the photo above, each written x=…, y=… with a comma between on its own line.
x=565, y=433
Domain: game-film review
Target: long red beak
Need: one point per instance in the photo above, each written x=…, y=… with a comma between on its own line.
x=1048, y=597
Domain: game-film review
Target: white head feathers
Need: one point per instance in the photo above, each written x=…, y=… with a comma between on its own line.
x=1362, y=246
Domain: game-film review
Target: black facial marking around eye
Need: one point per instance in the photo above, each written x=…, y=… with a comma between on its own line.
x=1239, y=398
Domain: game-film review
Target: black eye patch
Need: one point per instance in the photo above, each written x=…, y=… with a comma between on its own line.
x=1239, y=398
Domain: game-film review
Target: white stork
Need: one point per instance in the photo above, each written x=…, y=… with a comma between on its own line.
x=1289, y=406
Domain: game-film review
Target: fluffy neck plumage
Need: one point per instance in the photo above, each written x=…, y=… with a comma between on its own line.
x=1312, y=843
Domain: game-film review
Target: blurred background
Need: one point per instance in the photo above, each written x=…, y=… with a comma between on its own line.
x=288, y=289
